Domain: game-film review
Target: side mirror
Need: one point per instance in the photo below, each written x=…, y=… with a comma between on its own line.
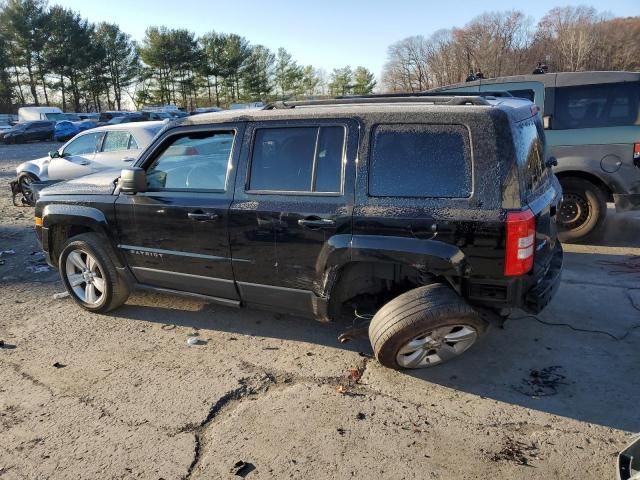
x=133, y=180
x=54, y=154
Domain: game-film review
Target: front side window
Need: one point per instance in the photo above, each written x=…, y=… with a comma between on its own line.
x=298, y=159
x=83, y=145
x=114, y=141
x=196, y=161
x=595, y=106
x=418, y=160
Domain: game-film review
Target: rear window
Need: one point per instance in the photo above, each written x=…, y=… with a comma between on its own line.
x=417, y=160
x=594, y=106
x=298, y=159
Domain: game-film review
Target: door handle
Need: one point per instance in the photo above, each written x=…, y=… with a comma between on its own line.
x=202, y=216
x=128, y=159
x=316, y=222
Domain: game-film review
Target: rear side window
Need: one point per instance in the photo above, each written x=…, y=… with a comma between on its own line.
x=525, y=93
x=530, y=153
x=298, y=159
x=594, y=106
x=417, y=160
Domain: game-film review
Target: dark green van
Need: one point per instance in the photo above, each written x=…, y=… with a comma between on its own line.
x=592, y=126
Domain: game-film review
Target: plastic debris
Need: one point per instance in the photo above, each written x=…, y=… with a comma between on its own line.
x=59, y=365
x=192, y=341
x=242, y=468
x=58, y=296
x=39, y=268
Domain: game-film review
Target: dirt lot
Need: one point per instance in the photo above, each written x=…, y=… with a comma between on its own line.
x=124, y=396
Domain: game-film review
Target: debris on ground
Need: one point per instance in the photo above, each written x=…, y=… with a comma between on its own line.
x=58, y=296
x=6, y=346
x=192, y=341
x=242, y=468
x=361, y=416
x=38, y=268
x=516, y=452
x=7, y=252
x=168, y=326
x=59, y=365
x=341, y=431
x=353, y=374
x=542, y=383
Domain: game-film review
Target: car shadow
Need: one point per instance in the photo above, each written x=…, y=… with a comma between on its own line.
x=585, y=375
x=618, y=230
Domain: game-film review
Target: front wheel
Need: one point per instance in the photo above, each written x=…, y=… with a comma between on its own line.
x=582, y=211
x=89, y=274
x=25, y=185
x=424, y=327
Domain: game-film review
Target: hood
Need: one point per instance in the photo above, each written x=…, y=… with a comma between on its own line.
x=100, y=183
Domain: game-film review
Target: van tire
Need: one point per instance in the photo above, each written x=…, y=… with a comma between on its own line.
x=420, y=312
x=582, y=211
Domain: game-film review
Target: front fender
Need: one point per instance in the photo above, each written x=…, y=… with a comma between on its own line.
x=34, y=167
x=67, y=215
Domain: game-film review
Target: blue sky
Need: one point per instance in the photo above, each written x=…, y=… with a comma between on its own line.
x=327, y=34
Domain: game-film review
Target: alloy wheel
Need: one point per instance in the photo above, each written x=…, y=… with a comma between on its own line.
x=436, y=346
x=85, y=277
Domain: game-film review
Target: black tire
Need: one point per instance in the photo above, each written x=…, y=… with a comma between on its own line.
x=583, y=209
x=18, y=139
x=24, y=184
x=116, y=287
x=419, y=312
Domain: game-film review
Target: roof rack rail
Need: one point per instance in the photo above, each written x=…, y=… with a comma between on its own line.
x=393, y=98
x=432, y=93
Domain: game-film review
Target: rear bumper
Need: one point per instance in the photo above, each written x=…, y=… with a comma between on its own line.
x=626, y=201
x=530, y=292
x=539, y=296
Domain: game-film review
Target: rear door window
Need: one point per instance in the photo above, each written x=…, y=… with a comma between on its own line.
x=114, y=141
x=418, y=160
x=298, y=159
x=595, y=106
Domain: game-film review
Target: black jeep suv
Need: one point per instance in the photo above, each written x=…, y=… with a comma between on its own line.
x=419, y=217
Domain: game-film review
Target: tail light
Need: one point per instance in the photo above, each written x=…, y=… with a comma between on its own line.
x=520, y=244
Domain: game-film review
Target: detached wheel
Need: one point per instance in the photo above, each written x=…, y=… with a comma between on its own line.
x=424, y=327
x=25, y=184
x=583, y=209
x=89, y=274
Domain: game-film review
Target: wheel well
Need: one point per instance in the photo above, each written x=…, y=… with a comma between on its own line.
x=589, y=177
x=60, y=234
x=371, y=284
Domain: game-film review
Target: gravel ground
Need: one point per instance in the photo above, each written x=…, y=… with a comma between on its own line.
x=123, y=395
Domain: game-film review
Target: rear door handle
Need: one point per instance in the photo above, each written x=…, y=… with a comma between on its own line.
x=316, y=222
x=200, y=216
